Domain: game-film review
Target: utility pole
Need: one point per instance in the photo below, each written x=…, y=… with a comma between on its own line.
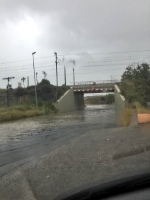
x=8, y=87
x=56, y=75
x=23, y=79
x=36, y=78
x=73, y=77
x=35, y=82
x=65, y=75
x=57, y=62
x=74, y=63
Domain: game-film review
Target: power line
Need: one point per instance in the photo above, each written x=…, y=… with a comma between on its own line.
x=25, y=60
x=24, y=68
x=83, y=72
x=121, y=52
x=27, y=72
x=82, y=67
x=107, y=53
x=44, y=64
x=41, y=64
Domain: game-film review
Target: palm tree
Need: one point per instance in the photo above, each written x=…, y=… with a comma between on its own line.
x=45, y=74
x=23, y=79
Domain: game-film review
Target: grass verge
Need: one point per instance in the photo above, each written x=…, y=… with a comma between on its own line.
x=125, y=117
x=141, y=109
x=25, y=111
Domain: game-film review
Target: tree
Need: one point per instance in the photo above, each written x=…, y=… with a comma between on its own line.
x=43, y=82
x=23, y=79
x=135, y=83
x=45, y=90
x=20, y=92
x=110, y=98
x=45, y=74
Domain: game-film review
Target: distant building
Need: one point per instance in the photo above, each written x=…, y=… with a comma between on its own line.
x=19, y=84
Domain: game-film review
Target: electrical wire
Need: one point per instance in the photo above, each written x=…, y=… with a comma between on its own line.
x=41, y=65
x=81, y=54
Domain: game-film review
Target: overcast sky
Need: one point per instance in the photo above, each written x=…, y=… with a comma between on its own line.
x=87, y=31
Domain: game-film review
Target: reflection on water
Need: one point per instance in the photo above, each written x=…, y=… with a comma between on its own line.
x=97, y=114
x=91, y=114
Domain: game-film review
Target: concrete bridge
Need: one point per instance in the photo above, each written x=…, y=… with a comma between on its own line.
x=94, y=87
x=73, y=99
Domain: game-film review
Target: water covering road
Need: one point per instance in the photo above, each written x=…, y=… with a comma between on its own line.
x=25, y=140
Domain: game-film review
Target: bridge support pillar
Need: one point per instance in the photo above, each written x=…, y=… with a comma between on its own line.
x=120, y=102
x=70, y=101
x=79, y=100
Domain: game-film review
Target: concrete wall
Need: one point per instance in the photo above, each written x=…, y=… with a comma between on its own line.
x=79, y=100
x=70, y=102
x=120, y=102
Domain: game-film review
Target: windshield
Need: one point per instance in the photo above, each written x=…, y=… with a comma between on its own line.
x=74, y=94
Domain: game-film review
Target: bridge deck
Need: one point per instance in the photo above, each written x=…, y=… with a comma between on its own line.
x=103, y=86
x=98, y=88
x=94, y=90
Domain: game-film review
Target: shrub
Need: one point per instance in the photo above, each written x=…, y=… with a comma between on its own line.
x=20, y=92
x=32, y=113
x=140, y=108
x=26, y=110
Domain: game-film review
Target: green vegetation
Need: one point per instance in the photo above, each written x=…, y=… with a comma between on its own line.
x=45, y=91
x=22, y=101
x=94, y=100
x=135, y=84
x=140, y=108
x=25, y=111
x=110, y=98
x=135, y=87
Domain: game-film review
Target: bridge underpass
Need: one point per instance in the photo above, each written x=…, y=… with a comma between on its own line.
x=73, y=99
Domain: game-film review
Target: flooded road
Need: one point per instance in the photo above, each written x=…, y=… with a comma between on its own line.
x=31, y=131
x=78, y=147
x=24, y=140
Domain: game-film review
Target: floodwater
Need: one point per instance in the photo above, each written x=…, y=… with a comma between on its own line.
x=25, y=140
x=31, y=131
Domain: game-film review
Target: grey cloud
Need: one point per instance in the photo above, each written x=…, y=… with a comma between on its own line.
x=84, y=24
x=72, y=26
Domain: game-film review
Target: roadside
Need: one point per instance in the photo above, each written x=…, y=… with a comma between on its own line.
x=19, y=103
x=25, y=111
x=96, y=155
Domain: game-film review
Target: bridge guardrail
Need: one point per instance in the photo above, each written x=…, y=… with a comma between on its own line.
x=95, y=82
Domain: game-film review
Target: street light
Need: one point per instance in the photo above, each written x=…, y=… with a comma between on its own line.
x=35, y=82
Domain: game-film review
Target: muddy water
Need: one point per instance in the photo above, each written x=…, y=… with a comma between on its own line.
x=26, y=140
x=28, y=132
